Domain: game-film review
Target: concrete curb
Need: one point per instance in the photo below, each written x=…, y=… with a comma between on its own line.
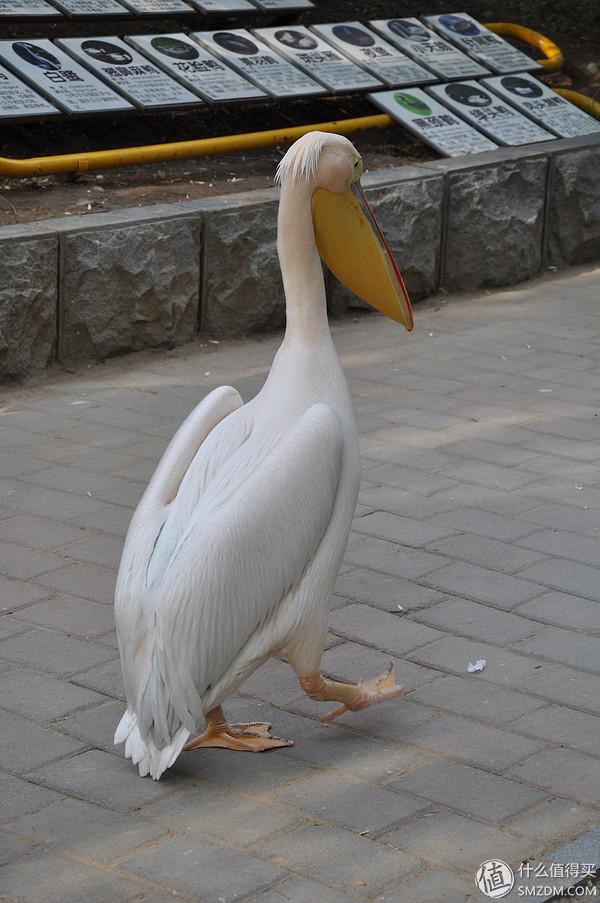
x=103, y=284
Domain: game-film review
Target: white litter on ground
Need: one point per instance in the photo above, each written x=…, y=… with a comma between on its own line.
x=479, y=665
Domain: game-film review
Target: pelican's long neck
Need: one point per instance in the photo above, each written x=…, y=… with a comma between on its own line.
x=306, y=308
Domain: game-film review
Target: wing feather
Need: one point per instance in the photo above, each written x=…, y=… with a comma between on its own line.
x=248, y=542
x=134, y=616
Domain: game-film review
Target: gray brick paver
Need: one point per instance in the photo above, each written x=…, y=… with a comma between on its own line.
x=383, y=591
x=225, y=875
x=486, y=552
x=470, y=790
x=357, y=807
x=25, y=745
x=84, y=829
x=471, y=619
x=340, y=858
x=471, y=541
x=63, y=881
x=454, y=840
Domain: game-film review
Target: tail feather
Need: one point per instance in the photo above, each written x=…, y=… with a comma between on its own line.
x=144, y=753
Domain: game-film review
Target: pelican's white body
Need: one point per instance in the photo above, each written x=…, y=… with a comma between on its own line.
x=235, y=546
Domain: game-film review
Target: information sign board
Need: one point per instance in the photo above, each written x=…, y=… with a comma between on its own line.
x=258, y=63
x=428, y=48
x=149, y=7
x=24, y=9
x=195, y=67
x=92, y=7
x=481, y=43
x=48, y=69
x=212, y=7
x=434, y=124
x=369, y=50
x=319, y=59
x=139, y=80
x=270, y=5
x=544, y=105
x=486, y=111
x=19, y=101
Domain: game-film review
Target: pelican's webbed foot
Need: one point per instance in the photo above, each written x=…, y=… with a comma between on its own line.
x=252, y=737
x=352, y=697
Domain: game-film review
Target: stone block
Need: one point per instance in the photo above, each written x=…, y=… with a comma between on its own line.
x=206, y=810
x=28, y=301
x=129, y=288
x=84, y=829
x=471, y=697
x=471, y=619
x=577, y=775
x=477, y=744
x=20, y=797
x=51, y=877
x=453, y=840
x=106, y=780
x=484, y=585
x=562, y=725
x=471, y=791
x=242, y=287
x=339, y=857
x=434, y=886
x=188, y=865
x=355, y=806
x=409, y=213
x=553, y=821
x=41, y=697
x=387, y=632
x=573, y=214
x=300, y=890
x=494, y=224
x=25, y=745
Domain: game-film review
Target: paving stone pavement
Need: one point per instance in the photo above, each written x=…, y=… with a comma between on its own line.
x=477, y=535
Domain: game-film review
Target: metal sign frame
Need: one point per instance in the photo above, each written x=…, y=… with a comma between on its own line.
x=489, y=113
x=128, y=72
x=422, y=115
x=198, y=69
x=428, y=48
x=253, y=58
x=482, y=44
x=369, y=50
x=15, y=93
x=538, y=99
x=72, y=8
x=28, y=9
x=41, y=56
x=318, y=59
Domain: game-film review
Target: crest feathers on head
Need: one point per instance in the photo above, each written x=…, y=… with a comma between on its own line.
x=302, y=159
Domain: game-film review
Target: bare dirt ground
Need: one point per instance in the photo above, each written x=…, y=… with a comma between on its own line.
x=575, y=28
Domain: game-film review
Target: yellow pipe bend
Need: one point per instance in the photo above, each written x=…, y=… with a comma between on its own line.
x=553, y=55
x=588, y=104
x=180, y=150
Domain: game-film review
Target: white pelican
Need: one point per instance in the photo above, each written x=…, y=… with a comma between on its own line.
x=234, y=548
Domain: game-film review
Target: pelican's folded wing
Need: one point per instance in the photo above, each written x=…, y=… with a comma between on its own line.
x=250, y=540
x=134, y=612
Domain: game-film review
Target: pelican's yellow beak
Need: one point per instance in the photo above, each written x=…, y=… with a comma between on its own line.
x=352, y=245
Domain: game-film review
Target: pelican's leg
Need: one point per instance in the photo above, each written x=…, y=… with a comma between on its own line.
x=252, y=737
x=352, y=697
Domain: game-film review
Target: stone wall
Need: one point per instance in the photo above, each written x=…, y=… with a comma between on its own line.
x=153, y=277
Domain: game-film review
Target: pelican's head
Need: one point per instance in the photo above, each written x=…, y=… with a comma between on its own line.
x=348, y=237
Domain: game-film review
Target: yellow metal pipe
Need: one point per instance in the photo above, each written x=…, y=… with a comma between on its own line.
x=179, y=150
x=553, y=55
x=588, y=104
